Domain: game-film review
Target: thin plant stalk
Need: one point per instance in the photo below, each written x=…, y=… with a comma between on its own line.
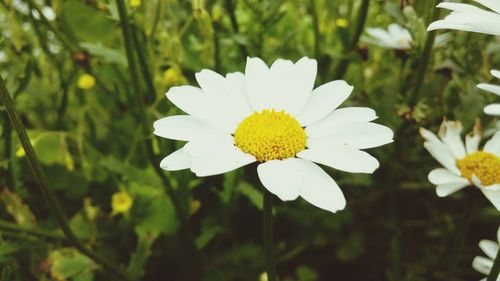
x=234, y=24
x=8, y=226
x=182, y=213
x=459, y=242
x=424, y=60
x=47, y=194
x=360, y=25
x=495, y=270
x=268, y=231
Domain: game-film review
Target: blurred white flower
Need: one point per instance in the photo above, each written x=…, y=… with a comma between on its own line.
x=464, y=165
x=272, y=115
x=492, y=109
x=468, y=17
x=484, y=264
x=395, y=37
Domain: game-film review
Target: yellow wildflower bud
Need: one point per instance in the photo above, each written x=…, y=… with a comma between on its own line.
x=195, y=206
x=86, y=82
x=121, y=202
x=134, y=3
x=172, y=76
x=263, y=276
x=341, y=22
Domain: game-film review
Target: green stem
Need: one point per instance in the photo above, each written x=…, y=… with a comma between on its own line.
x=268, y=236
x=35, y=232
x=47, y=194
x=360, y=24
x=143, y=63
x=459, y=243
x=182, y=214
x=317, y=36
x=7, y=154
x=424, y=60
x=236, y=28
x=62, y=38
x=495, y=270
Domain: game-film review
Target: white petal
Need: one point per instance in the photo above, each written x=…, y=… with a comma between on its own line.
x=282, y=178
x=450, y=135
x=184, y=128
x=444, y=176
x=177, y=160
x=357, y=135
x=492, y=109
x=446, y=189
x=472, y=143
x=338, y=117
x=217, y=88
x=492, y=193
x=489, y=247
x=321, y=190
x=439, y=151
x=219, y=160
x=482, y=265
x=237, y=87
x=287, y=178
x=491, y=4
x=495, y=73
x=490, y=88
x=324, y=100
x=343, y=158
x=493, y=145
x=299, y=86
x=256, y=74
x=498, y=234
x=201, y=146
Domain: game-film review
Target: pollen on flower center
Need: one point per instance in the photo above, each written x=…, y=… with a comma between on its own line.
x=270, y=135
x=485, y=166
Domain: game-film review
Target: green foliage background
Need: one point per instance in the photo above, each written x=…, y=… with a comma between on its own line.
x=91, y=144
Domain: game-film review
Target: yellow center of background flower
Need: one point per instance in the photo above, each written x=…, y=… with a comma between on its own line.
x=270, y=135
x=485, y=166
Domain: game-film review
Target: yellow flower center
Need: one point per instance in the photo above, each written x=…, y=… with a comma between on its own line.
x=485, y=166
x=270, y=135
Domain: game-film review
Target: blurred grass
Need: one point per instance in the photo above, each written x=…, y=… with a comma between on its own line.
x=90, y=141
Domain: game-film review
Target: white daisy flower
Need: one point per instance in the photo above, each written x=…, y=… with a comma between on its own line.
x=464, y=165
x=470, y=18
x=272, y=115
x=492, y=109
x=484, y=264
x=395, y=37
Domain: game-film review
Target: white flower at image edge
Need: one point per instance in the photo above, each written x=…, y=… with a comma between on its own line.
x=468, y=17
x=492, y=109
x=484, y=264
x=272, y=115
x=464, y=165
x=395, y=37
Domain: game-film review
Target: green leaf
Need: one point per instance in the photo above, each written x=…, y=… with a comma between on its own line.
x=15, y=206
x=7, y=249
x=69, y=263
x=159, y=217
x=254, y=195
x=86, y=23
x=107, y=54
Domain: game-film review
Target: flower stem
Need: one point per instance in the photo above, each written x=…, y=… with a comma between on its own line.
x=47, y=194
x=182, y=214
x=461, y=236
x=424, y=59
x=236, y=28
x=268, y=236
x=8, y=226
x=360, y=24
x=495, y=270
